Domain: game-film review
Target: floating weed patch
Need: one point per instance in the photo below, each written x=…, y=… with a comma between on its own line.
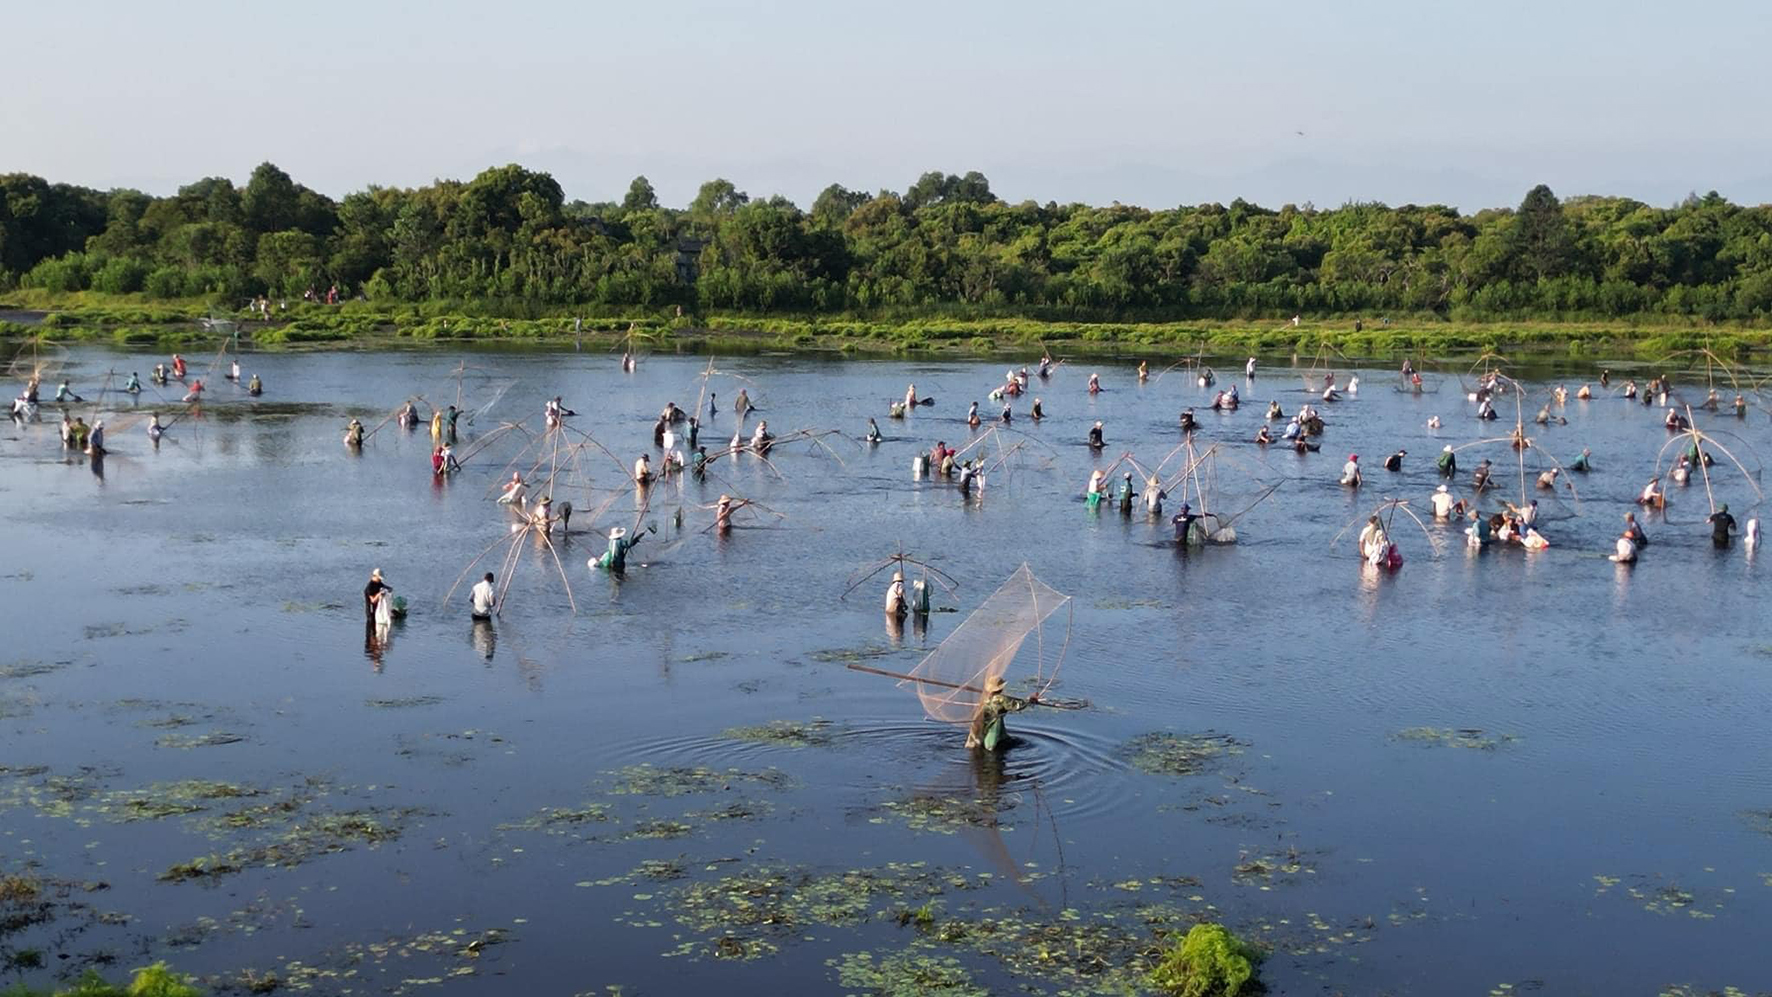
x=736, y=810
x=944, y=814
x=210, y=739
x=1759, y=820
x=911, y=973
x=13, y=707
x=1454, y=737
x=1121, y=604
x=29, y=901
x=659, y=830
x=30, y=669
x=1668, y=898
x=851, y=655
x=649, y=871
x=562, y=820
x=50, y=795
x=174, y=799
x=403, y=703
x=391, y=965
x=739, y=916
x=1686, y=990
x=148, y=589
x=703, y=656
x=1163, y=753
x=1266, y=870
x=816, y=732
x=649, y=780
x=311, y=607
x=306, y=836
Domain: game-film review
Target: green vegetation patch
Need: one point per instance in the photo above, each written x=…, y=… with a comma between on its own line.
x=402, y=703
x=816, y=732
x=1267, y=869
x=741, y=916
x=1454, y=737
x=1162, y=753
x=306, y=835
x=1208, y=962
x=910, y=973
x=941, y=814
x=650, y=780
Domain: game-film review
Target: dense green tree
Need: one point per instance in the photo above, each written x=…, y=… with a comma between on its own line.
x=640, y=196
x=947, y=243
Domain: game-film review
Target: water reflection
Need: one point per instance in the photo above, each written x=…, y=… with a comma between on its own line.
x=484, y=639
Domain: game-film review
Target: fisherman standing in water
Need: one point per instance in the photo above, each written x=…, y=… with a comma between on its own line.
x=896, y=606
x=1095, y=440
x=1447, y=462
x=1350, y=472
x=372, y=594
x=615, y=559
x=483, y=599
x=988, y=730
x=1721, y=523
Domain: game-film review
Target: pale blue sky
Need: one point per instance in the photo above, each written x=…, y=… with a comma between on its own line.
x=1146, y=102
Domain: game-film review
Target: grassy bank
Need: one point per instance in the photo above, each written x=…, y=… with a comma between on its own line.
x=127, y=322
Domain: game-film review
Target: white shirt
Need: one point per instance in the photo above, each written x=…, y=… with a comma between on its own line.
x=483, y=598
x=1442, y=505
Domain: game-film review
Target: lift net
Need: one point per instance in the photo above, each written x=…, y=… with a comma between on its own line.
x=951, y=680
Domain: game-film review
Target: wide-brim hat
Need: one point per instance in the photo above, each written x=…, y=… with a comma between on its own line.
x=994, y=684
x=616, y=533
x=1441, y=489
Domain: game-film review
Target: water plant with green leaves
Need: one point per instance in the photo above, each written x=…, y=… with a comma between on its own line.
x=1208, y=962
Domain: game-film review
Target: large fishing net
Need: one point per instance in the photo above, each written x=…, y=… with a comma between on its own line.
x=951, y=680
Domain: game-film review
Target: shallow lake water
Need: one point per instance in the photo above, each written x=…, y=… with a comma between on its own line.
x=1486, y=772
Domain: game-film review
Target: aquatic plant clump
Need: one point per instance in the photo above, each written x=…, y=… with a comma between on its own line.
x=737, y=911
x=650, y=780
x=816, y=732
x=1459, y=737
x=906, y=974
x=944, y=814
x=1161, y=753
x=1208, y=962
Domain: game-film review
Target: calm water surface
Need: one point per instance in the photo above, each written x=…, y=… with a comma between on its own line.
x=1602, y=831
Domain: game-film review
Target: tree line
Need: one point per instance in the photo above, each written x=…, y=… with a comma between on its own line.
x=946, y=244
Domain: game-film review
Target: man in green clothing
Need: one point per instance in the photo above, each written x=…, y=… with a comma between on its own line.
x=615, y=559
x=988, y=731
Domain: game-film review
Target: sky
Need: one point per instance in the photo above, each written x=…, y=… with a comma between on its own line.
x=1149, y=102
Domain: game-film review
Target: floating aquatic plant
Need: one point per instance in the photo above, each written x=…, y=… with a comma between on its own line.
x=906, y=974
x=1162, y=753
x=816, y=732
x=402, y=703
x=1459, y=737
x=650, y=780
x=1264, y=870
x=945, y=814
x=1208, y=962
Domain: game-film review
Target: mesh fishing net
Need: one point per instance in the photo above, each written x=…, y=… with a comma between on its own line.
x=951, y=680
